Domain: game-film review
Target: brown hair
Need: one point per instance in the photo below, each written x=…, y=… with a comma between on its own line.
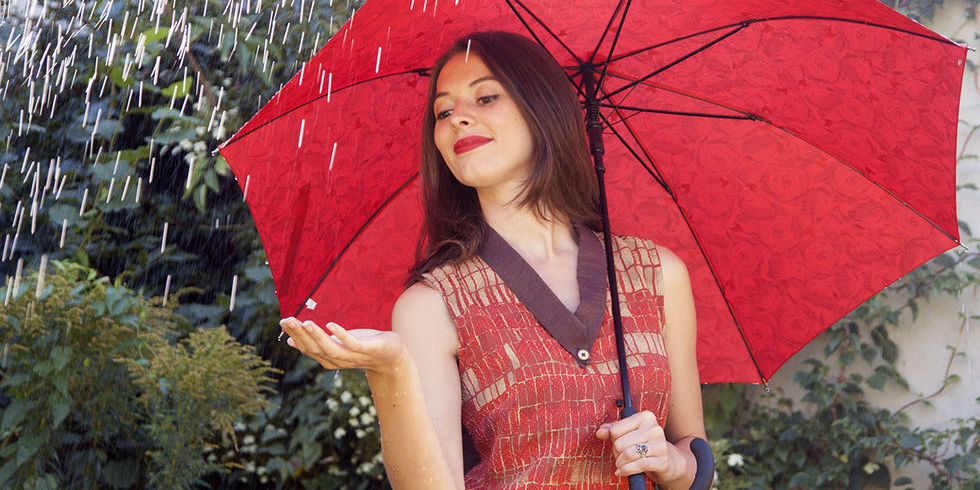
x=561, y=184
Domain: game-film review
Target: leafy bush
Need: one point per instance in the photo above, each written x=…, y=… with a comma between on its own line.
x=101, y=388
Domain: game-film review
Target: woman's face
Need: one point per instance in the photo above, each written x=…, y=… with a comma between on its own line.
x=479, y=130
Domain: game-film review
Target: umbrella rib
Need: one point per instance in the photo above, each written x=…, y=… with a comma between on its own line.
x=612, y=48
x=418, y=71
x=750, y=117
x=694, y=235
x=353, y=238
x=512, y=3
x=653, y=173
x=674, y=63
x=746, y=23
x=605, y=31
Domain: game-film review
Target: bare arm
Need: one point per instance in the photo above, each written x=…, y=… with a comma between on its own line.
x=429, y=335
x=414, y=382
x=685, y=420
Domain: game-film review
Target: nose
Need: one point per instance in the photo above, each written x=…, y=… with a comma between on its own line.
x=461, y=115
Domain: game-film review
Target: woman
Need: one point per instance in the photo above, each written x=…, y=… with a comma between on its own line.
x=484, y=332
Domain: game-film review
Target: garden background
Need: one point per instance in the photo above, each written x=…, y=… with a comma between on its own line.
x=139, y=321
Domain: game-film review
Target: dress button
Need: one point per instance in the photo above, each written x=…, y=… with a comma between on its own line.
x=583, y=354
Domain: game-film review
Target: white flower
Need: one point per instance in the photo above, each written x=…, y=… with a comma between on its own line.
x=200, y=147
x=199, y=130
x=239, y=426
x=346, y=397
x=871, y=467
x=372, y=411
x=353, y=422
x=735, y=460
x=249, y=439
x=340, y=432
x=360, y=433
x=332, y=404
x=365, y=401
x=354, y=411
x=185, y=144
x=366, y=419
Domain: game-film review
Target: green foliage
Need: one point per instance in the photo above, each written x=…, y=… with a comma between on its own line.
x=98, y=392
x=329, y=438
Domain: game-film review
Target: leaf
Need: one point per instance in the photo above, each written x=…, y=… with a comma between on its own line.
x=179, y=89
x=965, y=227
x=122, y=473
x=154, y=35
x=903, y=481
x=60, y=355
x=16, y=412
x=201, y=198
x=27, y=446
x=60, y=407
x=15, y=380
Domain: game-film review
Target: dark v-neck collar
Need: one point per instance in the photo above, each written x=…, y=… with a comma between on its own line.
x=575, y=332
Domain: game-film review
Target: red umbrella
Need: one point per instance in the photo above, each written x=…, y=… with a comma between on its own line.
x=799, y=155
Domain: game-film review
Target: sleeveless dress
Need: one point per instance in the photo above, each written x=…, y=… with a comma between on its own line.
x=532, y=403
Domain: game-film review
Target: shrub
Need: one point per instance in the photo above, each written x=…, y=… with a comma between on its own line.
x=100, y=388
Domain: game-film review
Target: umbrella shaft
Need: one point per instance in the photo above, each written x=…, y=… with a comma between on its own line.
x=594, y=130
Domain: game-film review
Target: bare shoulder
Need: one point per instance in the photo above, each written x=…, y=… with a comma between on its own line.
x=674, y=270
x=420, y=316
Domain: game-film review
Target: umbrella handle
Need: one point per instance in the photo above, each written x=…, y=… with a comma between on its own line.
x=704, y=475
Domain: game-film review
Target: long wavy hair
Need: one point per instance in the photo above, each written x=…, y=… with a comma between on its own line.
x=562, y=183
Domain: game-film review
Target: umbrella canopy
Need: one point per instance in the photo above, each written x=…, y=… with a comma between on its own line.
x=798, y=155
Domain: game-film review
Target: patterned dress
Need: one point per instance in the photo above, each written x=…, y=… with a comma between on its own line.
x=532, y=402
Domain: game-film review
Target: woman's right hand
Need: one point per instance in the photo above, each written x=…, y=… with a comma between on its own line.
x=375, y=351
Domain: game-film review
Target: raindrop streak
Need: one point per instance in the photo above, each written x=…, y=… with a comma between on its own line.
x=163, y=242
x=10, y=287
x=81, y=209
x=234, y=289
x=302, y=127
x=245, y=192
x=64, y=230
x=3, y=176
x=333, y=153
x=166, y=290
x=190, y=172
x=20, y=268
x=42, y=269
x=125, y=188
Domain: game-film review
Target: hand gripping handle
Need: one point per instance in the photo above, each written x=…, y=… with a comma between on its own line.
x=703, y=476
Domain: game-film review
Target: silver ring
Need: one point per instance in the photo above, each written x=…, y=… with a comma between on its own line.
x=641, y=449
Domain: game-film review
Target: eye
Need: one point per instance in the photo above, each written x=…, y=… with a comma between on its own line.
x=440, y=115
x=487, y=99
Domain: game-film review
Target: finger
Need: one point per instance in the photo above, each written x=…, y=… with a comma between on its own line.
x=344, y=336
x=624, y=426
x=654, y=460
x=643, y=435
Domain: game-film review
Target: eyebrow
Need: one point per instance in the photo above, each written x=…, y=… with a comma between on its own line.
x=472, y=84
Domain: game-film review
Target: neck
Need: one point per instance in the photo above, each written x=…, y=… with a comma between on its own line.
x=535, y=238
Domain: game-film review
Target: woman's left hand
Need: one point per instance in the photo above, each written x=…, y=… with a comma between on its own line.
x=640, y=446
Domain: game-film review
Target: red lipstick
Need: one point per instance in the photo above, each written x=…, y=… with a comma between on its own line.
x=470, y=142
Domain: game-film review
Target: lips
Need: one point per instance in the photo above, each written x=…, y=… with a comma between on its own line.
x=468, y=143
